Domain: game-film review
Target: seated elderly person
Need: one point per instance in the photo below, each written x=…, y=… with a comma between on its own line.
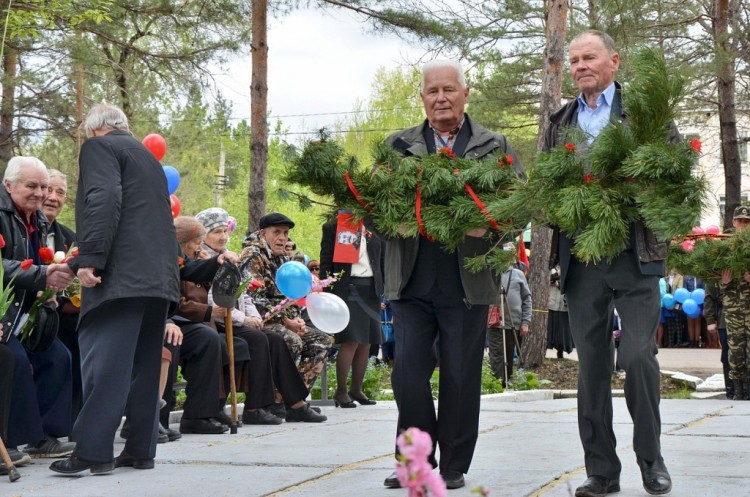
x=270, y=361
x=40, y=406
x=264, y=252
x=203, y=351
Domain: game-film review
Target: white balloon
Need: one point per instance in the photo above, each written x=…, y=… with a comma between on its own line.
x=328, y=312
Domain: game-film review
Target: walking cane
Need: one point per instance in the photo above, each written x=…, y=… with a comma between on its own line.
x=224, y=289
x=13, y=473
x=502, y=324
x=232, y=384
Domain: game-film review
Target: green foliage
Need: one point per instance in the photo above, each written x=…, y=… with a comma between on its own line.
x=631, y=171
x=29, y=18
x=711, y=255
x=527, y=380
x=490, y=384
x=376, y=384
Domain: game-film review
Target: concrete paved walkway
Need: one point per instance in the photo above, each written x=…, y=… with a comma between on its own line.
x=526, y=448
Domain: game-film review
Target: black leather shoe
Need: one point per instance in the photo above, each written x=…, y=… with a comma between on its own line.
x=304, y=414
x=171, y=434
x=452, y=479
x=260, y=417
x=202, y=426
x=125, y=460
x=345, y=404
x=597, y=486
x=392, y=481
x=73, y=465
x=363, y=400
x=656, y=479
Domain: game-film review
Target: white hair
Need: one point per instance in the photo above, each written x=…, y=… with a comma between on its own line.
x=443, y=64
x=54, y=173
x=105, y=117
x=13, y=170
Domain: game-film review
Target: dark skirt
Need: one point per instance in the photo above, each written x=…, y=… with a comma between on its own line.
x=362, y=328
x=558, y=332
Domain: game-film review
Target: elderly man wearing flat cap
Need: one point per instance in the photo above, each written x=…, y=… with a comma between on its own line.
x=263, y=254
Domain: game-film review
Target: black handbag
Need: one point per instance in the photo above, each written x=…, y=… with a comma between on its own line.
x=45, y=329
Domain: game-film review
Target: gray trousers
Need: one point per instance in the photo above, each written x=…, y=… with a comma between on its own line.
x=593, y=291
x=120, y=343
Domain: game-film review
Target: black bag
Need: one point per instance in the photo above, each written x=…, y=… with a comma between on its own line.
x=45, y=330
x=226, y=284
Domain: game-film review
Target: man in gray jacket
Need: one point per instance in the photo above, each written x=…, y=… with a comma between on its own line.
x=432, y=294
x=514, y=301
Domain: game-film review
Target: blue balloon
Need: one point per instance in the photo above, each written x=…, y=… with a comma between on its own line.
x=690, y=308
x=667, y=301
x=681, y=295
x=699, y=295
x=294, y=280
x=307, y=259
x=173, y=178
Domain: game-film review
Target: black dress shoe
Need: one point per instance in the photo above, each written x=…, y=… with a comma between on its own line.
x=363, y=400
x=452, y=479
x=597, y=486
x=73, y=465
x=344, y=404
x=171, y=434
x=392, y=481
x=205, y=426
x=125, y=460
x=260, y=417
x=656, y=479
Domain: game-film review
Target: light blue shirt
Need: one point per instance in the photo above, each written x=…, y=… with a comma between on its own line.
x=592, y=121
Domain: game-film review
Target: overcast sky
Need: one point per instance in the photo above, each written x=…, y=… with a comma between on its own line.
x=317, y=64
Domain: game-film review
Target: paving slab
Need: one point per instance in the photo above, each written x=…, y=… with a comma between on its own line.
x=528, y=449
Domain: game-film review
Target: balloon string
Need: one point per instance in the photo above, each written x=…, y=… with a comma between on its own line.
x=418, y=207
x=482, y=207
x=354, y=191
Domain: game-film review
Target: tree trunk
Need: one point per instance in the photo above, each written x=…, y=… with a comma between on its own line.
x=7, y=108
x=554, y=59
x=730, y=154
x=256, y=195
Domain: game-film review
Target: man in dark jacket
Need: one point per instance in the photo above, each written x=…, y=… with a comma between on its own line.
x=432, y=294
x=40, y=402
x=629, y=282
x=61, y=239
x=128, y=268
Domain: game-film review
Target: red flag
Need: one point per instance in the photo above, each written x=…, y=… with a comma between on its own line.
x=522, y=251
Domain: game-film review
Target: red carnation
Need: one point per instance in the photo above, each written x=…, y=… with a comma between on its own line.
x=254, y=285
x=456, y=171
x=2, y=241
x=46, y=255
x=446, y=152
x=587, y=178
x=570, y=147
x=75, y=252
x=26, y=264
x=505, y=161
x=695, y=144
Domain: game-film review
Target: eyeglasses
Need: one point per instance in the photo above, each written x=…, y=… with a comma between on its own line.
x=314, y=268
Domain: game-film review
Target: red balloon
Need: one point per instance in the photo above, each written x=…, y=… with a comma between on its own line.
x=176, y=205
x=688, y=245
x=713, y=230
x=156, y=145
x=697, y=230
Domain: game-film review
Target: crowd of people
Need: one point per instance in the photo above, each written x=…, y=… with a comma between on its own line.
x=147, y=306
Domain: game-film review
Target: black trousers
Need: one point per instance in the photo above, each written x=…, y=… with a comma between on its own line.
x=271, y=366
x=120, y=343
x=7, y=363
x=592, y=292
x=41, y=398
x=461, y=330
x=200, y=356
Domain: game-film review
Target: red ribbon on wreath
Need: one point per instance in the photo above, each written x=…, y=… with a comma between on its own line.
x=355, y=192
x=482, y=207
x=418, y=207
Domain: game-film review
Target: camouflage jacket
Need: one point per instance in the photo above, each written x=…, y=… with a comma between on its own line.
x=258, y=262
x=736, y=296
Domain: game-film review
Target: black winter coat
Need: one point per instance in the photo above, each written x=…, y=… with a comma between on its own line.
x=124, y=222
